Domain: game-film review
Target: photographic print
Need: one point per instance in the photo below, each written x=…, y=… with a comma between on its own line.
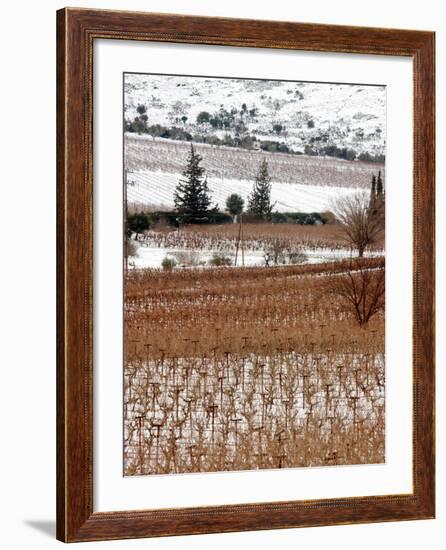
x=254, y=274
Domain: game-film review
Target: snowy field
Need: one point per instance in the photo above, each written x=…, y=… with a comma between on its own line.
x=152, y=256
x=156, y=189
x=146, y=154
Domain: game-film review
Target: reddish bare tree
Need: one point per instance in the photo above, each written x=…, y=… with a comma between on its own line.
x=361, y=224
x=362, y=290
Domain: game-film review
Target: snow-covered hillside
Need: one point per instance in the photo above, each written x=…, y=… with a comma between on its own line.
x=297, y=113
x=156, y=189
x=299, y=183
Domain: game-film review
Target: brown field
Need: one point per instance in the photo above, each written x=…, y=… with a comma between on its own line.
x=146, y=153
x=234, y=369
x=256, y=236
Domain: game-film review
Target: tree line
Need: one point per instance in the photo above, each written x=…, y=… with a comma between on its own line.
x=227, y=120
x=192, y=197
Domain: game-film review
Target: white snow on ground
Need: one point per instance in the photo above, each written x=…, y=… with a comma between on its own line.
x=348, y=115
x=157, y=189
x=153, y=256
x=149, y=256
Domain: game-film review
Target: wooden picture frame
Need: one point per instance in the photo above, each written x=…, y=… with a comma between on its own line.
x=76, y=31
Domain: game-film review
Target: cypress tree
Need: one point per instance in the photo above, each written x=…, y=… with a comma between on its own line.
x=259, y=202
x=372, y=200
x=379, y=186
x=191, y=197
x=376, y=203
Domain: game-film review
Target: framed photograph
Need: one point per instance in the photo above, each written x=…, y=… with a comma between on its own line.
x=245, y=275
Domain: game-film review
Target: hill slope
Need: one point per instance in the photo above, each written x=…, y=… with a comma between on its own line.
x=299, y=114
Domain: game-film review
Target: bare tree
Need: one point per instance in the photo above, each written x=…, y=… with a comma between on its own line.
x=361, y=224
x=362, y=289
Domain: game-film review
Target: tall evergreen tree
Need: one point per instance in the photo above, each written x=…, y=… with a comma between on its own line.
x=376, y=202
x=379, y=186
x=373, y=192
x=191, y=197
x=259, y=202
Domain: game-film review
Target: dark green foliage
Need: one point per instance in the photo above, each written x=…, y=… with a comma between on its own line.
x=220, y=260
x=301, y=218
x=138, y=126
x=138, y=223
x=334, y=151
x=168, y=263
x=377, y=197
x=373, y=190
x=379, y=185
x=274, y=147
x=310, y=151
x=168, y=217
x=235, y=204
x=172, y=219
x=169, y=133
x=191, y=197
x=236, y=121
x=254, y=113
x=217, y=217
x=348, y=154
x=259, y=202
x=203, y=117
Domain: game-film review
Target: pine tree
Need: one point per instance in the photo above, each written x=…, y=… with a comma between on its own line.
x=191, y=197
x=259, y=201
x=373, y=192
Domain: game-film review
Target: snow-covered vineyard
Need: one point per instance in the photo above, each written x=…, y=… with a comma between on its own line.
x=244, y=369
x=156, y=189
x=145, y=154
x=244, y=411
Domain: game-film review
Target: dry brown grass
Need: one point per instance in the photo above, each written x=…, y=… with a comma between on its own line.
x=232, y=369
x=256, y=236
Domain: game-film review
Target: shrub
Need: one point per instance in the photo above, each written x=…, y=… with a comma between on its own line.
x=168, y=263
x=131, y=248
x=274, y=147
x=296, y=256
x=203, y=117
x=219, y=217
x=219, y=260
x=301, y=218
x=138, y=126
x=137, y=223
x=187, y=258
x=368, y=157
